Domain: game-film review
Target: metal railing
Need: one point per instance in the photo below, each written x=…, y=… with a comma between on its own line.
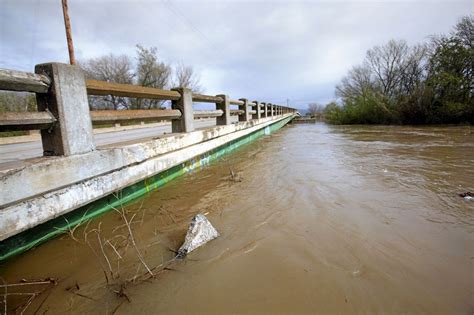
x=63, y=113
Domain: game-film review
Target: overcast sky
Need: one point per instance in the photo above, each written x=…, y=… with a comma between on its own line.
x=263, y=50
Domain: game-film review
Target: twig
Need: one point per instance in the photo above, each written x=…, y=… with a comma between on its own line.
x=28, y=303
x=113, y=247
x=73, y=230
x=133, y=240
x=84, y=296
x=96, y=255
x=25, y=283
x=42, y=302
x=103, y=251
x=117, y=307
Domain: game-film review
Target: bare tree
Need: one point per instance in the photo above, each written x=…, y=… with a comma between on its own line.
x=387, y=63
x=414, y=71
x=464, y=30
x=151, y=73
x=110, y=68
x=315, y=109
x=185, y=76
x=356, y=83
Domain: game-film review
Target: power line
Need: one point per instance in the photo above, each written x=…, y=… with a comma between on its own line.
x=193, y=27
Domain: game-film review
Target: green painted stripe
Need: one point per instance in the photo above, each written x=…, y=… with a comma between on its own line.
x=35, y=236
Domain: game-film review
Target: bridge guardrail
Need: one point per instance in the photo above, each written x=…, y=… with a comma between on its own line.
x=66, y=122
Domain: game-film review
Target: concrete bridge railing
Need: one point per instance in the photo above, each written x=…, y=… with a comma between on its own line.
x=73, y=173
x=63, y=109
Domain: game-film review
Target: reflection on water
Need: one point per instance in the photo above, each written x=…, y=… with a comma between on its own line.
x=326, y=219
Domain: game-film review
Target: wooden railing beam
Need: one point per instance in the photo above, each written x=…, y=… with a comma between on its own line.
x=95, y=87
x=11, y=80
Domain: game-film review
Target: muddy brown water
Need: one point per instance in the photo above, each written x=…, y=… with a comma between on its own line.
x=320, y=220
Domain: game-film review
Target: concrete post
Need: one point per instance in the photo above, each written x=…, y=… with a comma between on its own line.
x=67, y=101
x=185, y=104
x=246, y=115
x=225, y=107
x=271, y=110
x=257, y=114
x=265, y=110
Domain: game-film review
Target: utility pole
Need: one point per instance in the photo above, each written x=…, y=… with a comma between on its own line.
x=67, y=24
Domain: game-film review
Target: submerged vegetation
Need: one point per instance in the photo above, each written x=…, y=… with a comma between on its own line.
x=430, y=83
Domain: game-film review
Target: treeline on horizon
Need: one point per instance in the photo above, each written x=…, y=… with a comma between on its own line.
x=428, y=83
x=145, y=69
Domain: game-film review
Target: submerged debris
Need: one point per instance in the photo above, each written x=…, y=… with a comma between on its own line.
x=467, y=195
x=234, y=177
x=200, y=232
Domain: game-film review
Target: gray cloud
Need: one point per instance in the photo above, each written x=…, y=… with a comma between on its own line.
x=266, y=50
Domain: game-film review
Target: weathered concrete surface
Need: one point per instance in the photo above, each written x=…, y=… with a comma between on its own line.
x=246, y=116
x=257, y=114
x=265, y=110
x=185, y=105
x=38, y=193
x=199, y=233
x=225, y=107
x=67, y=101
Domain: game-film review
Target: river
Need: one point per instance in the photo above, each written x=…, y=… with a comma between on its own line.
x=318, y=219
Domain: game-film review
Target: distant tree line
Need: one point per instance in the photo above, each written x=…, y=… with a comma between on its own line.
x=146, y=70
x=430, y=83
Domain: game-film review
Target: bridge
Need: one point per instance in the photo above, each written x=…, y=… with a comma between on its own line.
x=76, y=179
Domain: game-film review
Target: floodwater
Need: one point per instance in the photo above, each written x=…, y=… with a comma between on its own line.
x=318, y=219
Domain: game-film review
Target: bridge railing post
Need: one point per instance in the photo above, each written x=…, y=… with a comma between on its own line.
x=225, y=107
x=185, y=105
x=265, y=110
x=67, y=101
x=245, y=107
x=257, y=110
